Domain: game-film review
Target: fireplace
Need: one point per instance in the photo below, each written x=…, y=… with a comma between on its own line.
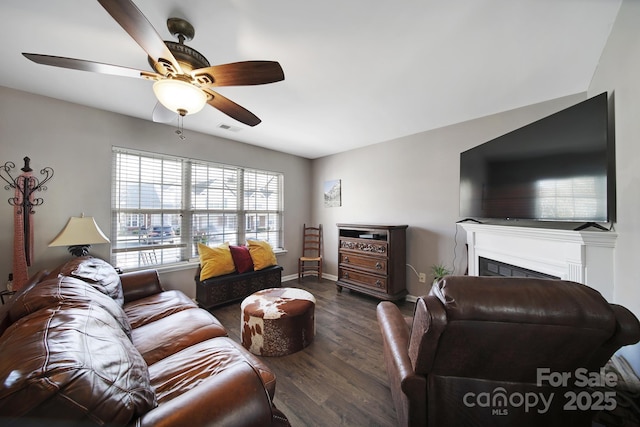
x=491, y=267
x=580, y=256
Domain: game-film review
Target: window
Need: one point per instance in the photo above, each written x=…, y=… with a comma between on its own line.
x=163, y=206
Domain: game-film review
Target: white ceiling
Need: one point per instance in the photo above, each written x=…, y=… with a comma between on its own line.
x=357, y=72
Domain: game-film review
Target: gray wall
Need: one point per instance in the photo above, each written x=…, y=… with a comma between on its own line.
x=76, y=142
x=414, y=180
x=618, y=73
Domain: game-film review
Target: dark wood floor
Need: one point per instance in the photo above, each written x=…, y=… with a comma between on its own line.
x=339, y=379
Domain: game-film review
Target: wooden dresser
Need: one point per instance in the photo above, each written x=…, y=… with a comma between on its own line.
x=372, y=260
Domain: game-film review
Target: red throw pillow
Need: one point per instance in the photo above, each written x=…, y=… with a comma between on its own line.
x=241, y=258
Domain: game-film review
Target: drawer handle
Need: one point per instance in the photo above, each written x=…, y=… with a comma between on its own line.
x=346, y=275
x=378, y=283
x=378, y=266
x=346, y=259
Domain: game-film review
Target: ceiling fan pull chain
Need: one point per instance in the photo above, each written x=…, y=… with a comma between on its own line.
x=180, y=130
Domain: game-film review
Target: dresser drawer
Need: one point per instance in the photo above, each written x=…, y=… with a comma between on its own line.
x=362, y=278
x=366, y=246
x=372, y=260
x=376, y=265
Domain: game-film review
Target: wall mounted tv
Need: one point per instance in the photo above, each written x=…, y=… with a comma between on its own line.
x=559, y=168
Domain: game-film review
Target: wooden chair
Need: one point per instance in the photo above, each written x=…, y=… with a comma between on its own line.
x=311, y=259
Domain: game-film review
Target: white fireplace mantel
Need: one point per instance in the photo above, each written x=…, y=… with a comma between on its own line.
x=580, y=256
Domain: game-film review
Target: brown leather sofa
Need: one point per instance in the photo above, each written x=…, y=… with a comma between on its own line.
x=487, y=351
x=86, y=346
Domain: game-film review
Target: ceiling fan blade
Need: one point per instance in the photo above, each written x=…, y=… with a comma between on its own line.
x=83, y=65
x=140, y=29
x=232, y=109
x=162, y=114
x=239, y=74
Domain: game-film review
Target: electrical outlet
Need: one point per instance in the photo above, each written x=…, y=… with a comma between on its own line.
x=422, y=278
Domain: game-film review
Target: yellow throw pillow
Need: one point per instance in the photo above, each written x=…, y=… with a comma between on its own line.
x=215, y=261
x=261, y=254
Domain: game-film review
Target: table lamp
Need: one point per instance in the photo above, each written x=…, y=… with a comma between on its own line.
x=79, y=234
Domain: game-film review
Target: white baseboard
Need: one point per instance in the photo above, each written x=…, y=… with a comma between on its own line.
x=411, y=298
x=295, y=277
x=289, y=277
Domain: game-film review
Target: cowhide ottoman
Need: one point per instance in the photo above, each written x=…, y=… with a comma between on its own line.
x=278, y=321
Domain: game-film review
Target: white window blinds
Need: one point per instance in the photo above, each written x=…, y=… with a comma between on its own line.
x=163, y=206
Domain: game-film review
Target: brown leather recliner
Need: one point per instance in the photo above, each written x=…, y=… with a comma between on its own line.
x=489, y=351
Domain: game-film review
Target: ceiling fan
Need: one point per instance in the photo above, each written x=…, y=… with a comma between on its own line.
x=183, y=78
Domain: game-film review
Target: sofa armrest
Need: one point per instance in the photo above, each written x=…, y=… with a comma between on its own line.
x=408, y=389
x=628, y=326
x=140, y=284
x=234, y=397
x=5, y=321
x=395, y=339
x=627, y=333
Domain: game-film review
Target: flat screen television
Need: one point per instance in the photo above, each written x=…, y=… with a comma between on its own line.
x=559, y=168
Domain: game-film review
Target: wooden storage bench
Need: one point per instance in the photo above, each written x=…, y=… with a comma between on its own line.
x=233, y=287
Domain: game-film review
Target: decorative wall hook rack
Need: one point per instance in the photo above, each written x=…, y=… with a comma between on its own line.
x=26, y=185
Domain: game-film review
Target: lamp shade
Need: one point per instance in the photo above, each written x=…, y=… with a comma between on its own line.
x=179, y=96
x=80, y=231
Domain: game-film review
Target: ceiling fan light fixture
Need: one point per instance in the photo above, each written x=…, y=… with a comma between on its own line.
x=179, y=96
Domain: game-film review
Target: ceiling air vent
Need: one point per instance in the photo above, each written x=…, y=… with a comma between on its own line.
x=229, y=127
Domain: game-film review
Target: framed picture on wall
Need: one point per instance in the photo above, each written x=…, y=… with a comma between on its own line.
x=332, y=194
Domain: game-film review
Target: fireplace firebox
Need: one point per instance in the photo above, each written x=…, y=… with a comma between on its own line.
x=490, y=267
